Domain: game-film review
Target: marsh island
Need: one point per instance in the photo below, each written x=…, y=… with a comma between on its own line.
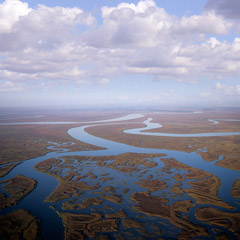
x=119, y=175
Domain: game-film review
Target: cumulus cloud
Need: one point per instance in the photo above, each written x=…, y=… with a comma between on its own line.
x=10, y=13
x=227, y=8
x=207, y=23
x=226, y=89
x=154, y=42
x=39, y=28
x=222, y=94
x=43, y=43
x=127, y=25
x=67, y=45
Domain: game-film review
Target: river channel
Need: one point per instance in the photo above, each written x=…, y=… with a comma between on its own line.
x=51, y=223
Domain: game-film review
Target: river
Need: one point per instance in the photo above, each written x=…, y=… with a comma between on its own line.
x=51, y=223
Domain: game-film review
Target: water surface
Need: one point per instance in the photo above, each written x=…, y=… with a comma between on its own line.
x=51, y=223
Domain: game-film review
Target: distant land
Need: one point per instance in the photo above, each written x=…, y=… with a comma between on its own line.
x=92, y=174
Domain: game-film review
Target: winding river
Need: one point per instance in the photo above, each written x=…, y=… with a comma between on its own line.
x=51, y=223
x=149, y=126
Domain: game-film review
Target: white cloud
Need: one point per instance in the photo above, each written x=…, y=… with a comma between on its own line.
x=226, y=89
x=10, y=13
x=51, y=44
x=41, y=28
x=140, y=8
x=8, y=86
x=226, y=8
x=154, y=42
x=129, y=25
x=208, y=23
x=222, y=95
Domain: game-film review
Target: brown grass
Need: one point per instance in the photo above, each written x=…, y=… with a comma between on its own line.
x=230, y=162
x=22, y=142
x=19, y=224
x=18, y=187
x=235, y=191
x=156, y=206
x=152, y=185
x=180, y=123
x=214, y=216
x=205, y=189
x=4, y=170
x=78, y=226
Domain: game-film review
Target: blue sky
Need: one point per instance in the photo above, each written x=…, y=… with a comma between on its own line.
x=165, y=53
x=172, y=6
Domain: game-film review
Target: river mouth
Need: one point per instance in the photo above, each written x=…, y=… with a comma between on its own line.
x=112, y=167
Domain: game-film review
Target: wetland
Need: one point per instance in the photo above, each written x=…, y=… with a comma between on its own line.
x=100, y=179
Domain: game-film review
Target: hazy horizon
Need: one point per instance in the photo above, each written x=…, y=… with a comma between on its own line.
x=127, y=54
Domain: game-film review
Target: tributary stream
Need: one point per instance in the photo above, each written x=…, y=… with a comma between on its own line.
x=51, y=223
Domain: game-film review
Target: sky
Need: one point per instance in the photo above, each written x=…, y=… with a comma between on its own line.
x=112, y=53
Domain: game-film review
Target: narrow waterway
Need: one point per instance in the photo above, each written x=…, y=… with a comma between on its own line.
x=150, y=125
x=51, y=223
